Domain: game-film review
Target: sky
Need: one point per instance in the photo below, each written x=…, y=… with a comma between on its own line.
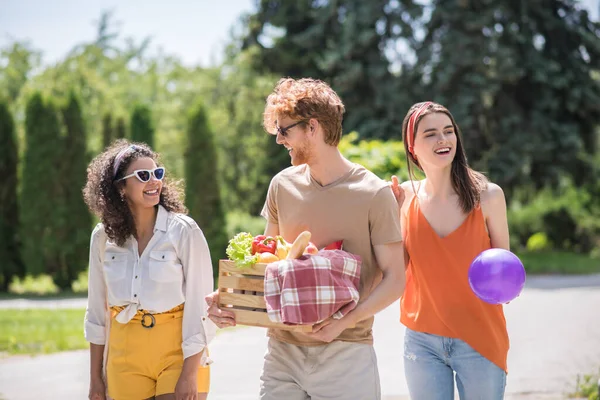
x=193, y=30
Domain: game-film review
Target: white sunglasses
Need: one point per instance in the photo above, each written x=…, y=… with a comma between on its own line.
x=143, y=175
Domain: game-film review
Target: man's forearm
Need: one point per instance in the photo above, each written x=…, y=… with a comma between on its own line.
x=389, y=290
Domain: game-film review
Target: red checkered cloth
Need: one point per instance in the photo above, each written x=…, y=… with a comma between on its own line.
x=312, y=288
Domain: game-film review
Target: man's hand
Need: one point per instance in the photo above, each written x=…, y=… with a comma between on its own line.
x=221, y=318
x=328, y=330
x=398, y=191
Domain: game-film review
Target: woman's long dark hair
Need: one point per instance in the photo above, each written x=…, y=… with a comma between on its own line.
x=467, y=183
x=102, y=194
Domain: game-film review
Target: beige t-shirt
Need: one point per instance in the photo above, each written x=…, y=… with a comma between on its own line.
x=358, y=208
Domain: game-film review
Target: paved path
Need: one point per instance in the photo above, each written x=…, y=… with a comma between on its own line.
x=554, y=328
x=76, y=302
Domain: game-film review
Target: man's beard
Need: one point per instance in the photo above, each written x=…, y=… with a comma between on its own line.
x=302, y=154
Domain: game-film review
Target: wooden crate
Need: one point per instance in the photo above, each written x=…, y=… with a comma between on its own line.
x=243, y=293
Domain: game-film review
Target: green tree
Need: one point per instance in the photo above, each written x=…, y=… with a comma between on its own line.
x=107, y=130
x=41, y=199
x=108, y=73
x=276, y=159
x=202, y=191
x=383, y=158
x=349, y=43
x=16, y=63
x=120, y=129
x=142, y=129
x=11, y=264
x=519, y=78
x=77, y=221
x=248, y=156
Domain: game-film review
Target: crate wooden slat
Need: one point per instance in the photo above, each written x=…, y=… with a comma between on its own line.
x=229, y=266
x=256, y=318
x=243, y=300
x=249, y=307
x=240, y=283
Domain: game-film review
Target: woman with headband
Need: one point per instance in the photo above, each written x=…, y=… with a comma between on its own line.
x=150, y=269
x=447, y=219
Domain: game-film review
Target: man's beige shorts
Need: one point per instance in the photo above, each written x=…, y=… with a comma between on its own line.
x=334, y=371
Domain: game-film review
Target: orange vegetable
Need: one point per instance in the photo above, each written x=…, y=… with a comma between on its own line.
x=266, y=258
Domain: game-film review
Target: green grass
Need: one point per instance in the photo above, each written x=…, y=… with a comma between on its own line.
x=557, y=262
x=586, y=387
x=35, y=331
x=41, y=331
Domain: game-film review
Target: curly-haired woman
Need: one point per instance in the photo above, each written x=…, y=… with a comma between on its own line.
x=147, y=259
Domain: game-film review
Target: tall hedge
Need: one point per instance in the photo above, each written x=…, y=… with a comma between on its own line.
x=202, y=191
x=78, y=221
x=107, y=130
x=41, y=200
x=141, y=127
x=120, y=128
x=10, y=264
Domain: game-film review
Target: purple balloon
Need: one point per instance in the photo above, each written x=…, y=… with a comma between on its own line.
x=497, y=276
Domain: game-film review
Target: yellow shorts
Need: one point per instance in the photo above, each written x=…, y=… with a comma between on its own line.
x=146, y=362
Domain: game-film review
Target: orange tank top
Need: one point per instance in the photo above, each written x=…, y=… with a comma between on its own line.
x=438, y=298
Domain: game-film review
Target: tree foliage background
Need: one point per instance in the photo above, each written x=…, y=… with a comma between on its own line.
x=521, y=78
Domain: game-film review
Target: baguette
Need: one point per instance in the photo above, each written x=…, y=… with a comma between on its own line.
x=299, y=246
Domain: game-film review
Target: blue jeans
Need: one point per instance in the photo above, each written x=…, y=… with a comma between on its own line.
x=430, y=362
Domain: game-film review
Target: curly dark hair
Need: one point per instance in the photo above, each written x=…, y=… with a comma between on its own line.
x=102, y=196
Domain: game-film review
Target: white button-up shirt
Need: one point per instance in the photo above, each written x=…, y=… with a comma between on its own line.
x=174, y=268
